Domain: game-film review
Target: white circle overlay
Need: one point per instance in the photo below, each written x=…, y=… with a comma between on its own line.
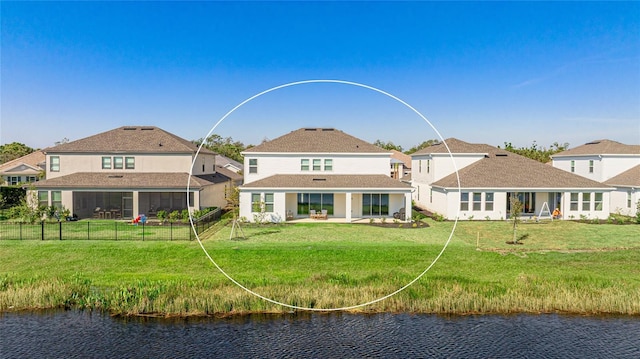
x=304, y=82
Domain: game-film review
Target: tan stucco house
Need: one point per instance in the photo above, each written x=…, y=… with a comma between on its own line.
x=131, y=170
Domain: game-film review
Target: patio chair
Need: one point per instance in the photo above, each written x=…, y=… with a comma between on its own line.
x=312, y=213
x=400, y=214
x=324, y=214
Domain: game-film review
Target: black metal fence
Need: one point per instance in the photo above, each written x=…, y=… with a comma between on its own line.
x=108, y=230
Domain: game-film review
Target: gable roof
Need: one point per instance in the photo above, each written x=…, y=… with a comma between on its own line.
x=628, y=178
x=601, y=147
x=458, y=146
x=223, y=161
x=316, y=140
x=329, y=182
x=134, y=139
x=404, y=159
x=503, y=169
x=33, y=161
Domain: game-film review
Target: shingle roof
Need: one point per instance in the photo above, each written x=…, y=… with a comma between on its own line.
x=502, y=169
x=316, y=140
x=458, y=146
x=125, y=180
x=329, y=181
x=601, y=147
x=34, y=159
x=405, y=159
x=628, y=178
x=229, y=174
x=222, y=161
x=133, y=139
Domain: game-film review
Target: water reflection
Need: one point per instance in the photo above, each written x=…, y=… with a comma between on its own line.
x=81, y=334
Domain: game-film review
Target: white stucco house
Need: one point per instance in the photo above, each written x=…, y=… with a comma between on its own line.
x=598, y=160
x=321, y=170
x=626, y=196
x=612, y=163
x=131, y=170
x=490, y=176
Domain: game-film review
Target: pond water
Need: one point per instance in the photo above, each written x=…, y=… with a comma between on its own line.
x=69, y=334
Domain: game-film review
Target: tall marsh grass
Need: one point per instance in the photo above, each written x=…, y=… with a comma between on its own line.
x=332, y=266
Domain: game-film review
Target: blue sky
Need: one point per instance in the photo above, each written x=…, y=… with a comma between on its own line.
x=484, y=72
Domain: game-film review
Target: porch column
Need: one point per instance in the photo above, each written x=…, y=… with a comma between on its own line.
x=407, y=206
x=136, y=205
x=347, y=210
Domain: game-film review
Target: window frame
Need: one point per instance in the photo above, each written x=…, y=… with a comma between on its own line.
x=376, y=203
x=106, y=162
x=304, y=164
x=476, y=201
x=118, y=165
x=572, y=166
x=316, y=164
x=464, y=201
x=269, y=202
x=54, y=164
x=489, y=198
x=598, y=201
x=590, y=166
x=253, y=165
x=130, y=163
x=43, y=198
x=574, y=201
x=586, y=201
x=256, y=202
x=56, y=199
x=328, y=164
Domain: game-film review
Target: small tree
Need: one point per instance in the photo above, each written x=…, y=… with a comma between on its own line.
x=516, y=211
x=28, y=211
x=232, y=195
x=638, y=212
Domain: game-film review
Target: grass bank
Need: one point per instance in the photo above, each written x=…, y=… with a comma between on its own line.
x=562, y=267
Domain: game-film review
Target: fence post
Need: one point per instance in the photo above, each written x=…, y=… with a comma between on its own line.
x=142, y=231
x=21, y=230
x=60, y=230
x=42, y=230
x=116, y=224
x=88, y=231
x=171, y=231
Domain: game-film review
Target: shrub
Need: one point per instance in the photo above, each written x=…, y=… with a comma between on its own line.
x=162, y=215
x=185, y=216
x=174, y=216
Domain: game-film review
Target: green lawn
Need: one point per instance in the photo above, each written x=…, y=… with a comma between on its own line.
x=561, y=267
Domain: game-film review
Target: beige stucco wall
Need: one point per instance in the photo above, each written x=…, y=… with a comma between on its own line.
x=163, y=163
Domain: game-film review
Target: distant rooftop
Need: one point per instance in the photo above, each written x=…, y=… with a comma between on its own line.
x=316, y=140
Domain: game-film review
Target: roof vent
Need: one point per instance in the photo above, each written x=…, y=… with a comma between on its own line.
x=310, y=129
x=319, y=179
x=146, y=128
x=130, y=128
x=327, y=129
x=502, y=154
x=115, y=176
x=592, y=143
